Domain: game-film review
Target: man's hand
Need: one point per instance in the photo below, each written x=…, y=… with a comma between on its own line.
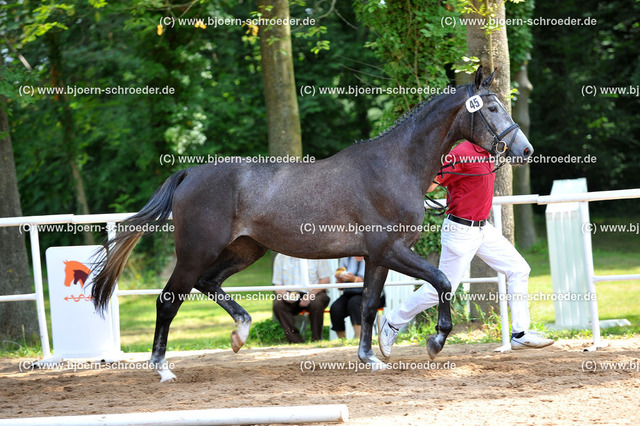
x=305, y=300
x=348, y=277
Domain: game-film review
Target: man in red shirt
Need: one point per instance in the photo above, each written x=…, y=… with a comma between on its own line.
x=466, y=233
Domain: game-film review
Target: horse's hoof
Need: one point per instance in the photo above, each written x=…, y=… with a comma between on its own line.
x=236, y=341
x=433, y=347
x=374, y=364
x=378, y=366
x=166, y=375
x=240, y=335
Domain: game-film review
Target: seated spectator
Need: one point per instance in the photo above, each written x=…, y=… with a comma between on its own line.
x=349, y=304
x=287, y=270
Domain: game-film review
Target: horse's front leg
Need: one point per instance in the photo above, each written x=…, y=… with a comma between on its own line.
x=374, y=278
x=405, y=261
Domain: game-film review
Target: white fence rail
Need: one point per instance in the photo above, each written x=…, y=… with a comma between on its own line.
x=112, y=219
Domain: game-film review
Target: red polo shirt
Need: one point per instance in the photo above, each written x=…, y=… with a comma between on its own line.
x=469, y=197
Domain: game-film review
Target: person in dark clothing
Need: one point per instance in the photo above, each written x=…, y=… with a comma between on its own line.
x=351, y=270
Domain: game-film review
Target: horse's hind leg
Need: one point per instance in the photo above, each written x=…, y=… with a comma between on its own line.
x=234, y=258
x=174, y=293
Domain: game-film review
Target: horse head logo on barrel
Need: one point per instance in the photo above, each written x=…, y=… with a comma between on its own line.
x=226, y=216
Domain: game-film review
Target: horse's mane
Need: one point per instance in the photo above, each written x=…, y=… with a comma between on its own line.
x=413, y=112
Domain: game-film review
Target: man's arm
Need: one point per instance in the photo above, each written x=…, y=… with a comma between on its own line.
x=350, y=278
x=322, y=281
x=435, y=184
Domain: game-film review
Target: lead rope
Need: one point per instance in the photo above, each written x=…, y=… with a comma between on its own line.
x=439, y=209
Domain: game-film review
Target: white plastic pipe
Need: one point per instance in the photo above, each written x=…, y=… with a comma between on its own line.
x=18, y=297
x=218, y=416
x=591, y=284
x=502, y=290
x=39, y=292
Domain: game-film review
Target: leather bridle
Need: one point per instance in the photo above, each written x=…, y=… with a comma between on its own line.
x=499, y=146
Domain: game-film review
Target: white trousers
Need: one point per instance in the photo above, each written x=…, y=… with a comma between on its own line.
x=459, y=244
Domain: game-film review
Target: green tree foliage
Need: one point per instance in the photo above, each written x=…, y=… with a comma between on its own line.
x=564, y=121
x=415, y=49
x=216, y=104
x=520, y=36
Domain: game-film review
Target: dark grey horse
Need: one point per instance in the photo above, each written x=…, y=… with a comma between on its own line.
x=226, y=216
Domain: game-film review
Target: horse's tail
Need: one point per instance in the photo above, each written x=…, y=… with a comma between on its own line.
x=110, y=262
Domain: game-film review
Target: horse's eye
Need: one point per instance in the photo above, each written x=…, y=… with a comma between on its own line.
x=493, y=109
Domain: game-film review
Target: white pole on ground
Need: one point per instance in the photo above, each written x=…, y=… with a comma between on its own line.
x=218, y=416
x=37, y=282
x=502, y=290
x=115, y=302
x=591, y=284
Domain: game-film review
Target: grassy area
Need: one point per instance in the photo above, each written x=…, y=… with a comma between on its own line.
x=204, y=325
x=613, y=254
x=200, y=324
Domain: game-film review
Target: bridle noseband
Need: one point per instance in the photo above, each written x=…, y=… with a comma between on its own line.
x=499, y=146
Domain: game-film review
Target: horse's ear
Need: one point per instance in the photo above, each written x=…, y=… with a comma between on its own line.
x=489, y=80
x=479, y=77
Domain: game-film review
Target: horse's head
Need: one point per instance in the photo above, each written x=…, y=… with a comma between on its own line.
x=76, y=272
x=491, y=126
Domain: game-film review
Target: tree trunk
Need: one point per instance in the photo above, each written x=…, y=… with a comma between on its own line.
x=68, y=128
x=525, y=228
x=283, y=118
x=17, y=319
x=493, y=51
